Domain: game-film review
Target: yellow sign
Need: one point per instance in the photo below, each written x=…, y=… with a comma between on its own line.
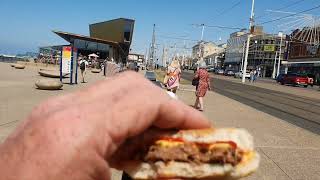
x=269, y=48
x=66, y=59
x=66, y=54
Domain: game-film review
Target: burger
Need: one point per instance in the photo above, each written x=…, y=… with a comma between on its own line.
x=226, y=153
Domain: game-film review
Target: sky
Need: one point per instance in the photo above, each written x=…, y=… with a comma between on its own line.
x=25, y=25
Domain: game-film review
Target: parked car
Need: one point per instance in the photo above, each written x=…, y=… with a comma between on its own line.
x=295, y=79
x=239, y=74
x=219, y=71
x=311, y=79
x=210, y=69
x=150, y=75
x=229, y=73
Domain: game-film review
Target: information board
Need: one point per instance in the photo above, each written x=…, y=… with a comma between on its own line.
x=66, y=59
x=268, y=48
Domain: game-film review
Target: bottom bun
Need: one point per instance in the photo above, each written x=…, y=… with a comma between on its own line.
x=144, y=171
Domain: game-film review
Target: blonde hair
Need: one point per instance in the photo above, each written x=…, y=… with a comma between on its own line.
x=175, y=64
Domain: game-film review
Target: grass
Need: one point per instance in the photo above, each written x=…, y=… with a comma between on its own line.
x=160, y=77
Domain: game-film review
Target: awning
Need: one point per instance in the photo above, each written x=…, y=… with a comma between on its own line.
x=70, y=37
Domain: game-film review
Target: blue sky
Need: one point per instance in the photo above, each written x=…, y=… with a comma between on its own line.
x=27, y=24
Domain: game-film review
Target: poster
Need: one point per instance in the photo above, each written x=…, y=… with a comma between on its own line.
x=268, y=48
x=66, y=59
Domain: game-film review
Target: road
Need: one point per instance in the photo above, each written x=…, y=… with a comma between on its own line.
x=301, y=111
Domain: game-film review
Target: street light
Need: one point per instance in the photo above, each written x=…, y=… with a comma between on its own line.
x=248, y=44
x=280, y=51
x=274, y=66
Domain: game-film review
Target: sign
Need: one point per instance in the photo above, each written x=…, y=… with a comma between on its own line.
x=269, y=48
x=66, y=59
x=132, y=57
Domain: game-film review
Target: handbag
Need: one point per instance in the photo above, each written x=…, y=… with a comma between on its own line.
x=172, y=80
x=195, y=81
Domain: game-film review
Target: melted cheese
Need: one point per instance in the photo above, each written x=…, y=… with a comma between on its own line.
x=170, y=143
x=220, y=146
x=165, y=143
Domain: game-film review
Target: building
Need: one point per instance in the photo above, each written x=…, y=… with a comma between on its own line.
x=207, y=49
x=263, y=49
x=139, y=58
x=235, y=50
x=110, y=39
x=217, y=58
x=303, y=56
x=264, y=52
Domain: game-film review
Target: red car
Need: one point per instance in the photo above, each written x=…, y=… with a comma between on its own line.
x=295, y=79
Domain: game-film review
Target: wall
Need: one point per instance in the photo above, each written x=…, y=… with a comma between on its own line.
x=111, y=30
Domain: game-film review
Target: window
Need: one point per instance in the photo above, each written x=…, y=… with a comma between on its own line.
x=127, y=31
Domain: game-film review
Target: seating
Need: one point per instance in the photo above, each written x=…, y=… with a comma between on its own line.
x=51, y=73
x=95, y=70
x=48, y=84
x=19, y=66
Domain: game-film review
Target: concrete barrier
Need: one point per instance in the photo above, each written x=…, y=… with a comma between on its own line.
x=48, y=84
x=19, y=66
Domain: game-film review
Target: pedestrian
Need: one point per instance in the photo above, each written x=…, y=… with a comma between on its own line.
x=203, y=86
x=255, y=75
x=174, y=74
x=83, y=67
x=251, y=76
x=82, y=135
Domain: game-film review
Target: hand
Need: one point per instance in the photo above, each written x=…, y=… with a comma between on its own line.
x=74, y=136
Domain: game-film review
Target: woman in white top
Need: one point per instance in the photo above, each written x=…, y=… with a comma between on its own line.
x=174, y=75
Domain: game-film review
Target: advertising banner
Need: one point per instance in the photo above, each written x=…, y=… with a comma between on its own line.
x=66, y=59
x=269, y=48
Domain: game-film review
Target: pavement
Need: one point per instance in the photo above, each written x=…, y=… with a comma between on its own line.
x=287, y=151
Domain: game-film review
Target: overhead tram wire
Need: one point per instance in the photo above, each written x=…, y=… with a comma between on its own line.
x=284, y=17
x=219, y=27
x=176, y=38
x=229, y=9
x=290, y=5
x=282, y=8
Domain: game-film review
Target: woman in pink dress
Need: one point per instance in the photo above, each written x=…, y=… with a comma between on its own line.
x=203, y=86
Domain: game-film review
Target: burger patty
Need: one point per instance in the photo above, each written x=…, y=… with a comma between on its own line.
x=192, y=153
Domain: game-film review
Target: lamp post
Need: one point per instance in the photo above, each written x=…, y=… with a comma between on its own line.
x=280, y=51
x=248, y=44
x=274, y=66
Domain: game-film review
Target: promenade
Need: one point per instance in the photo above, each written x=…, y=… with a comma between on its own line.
x=287, y=151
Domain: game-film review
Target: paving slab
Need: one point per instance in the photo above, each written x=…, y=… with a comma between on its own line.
x=286, y=150
x=297, y=163
x=268, y=170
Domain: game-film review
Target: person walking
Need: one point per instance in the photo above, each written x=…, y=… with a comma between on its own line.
x=173, y=73
x=255, y=75
x=203, y=86
x=83, y=67
x=251, y=76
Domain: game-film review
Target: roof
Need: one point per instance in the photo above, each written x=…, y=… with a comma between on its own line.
x=113, y=20
x=68, y=37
